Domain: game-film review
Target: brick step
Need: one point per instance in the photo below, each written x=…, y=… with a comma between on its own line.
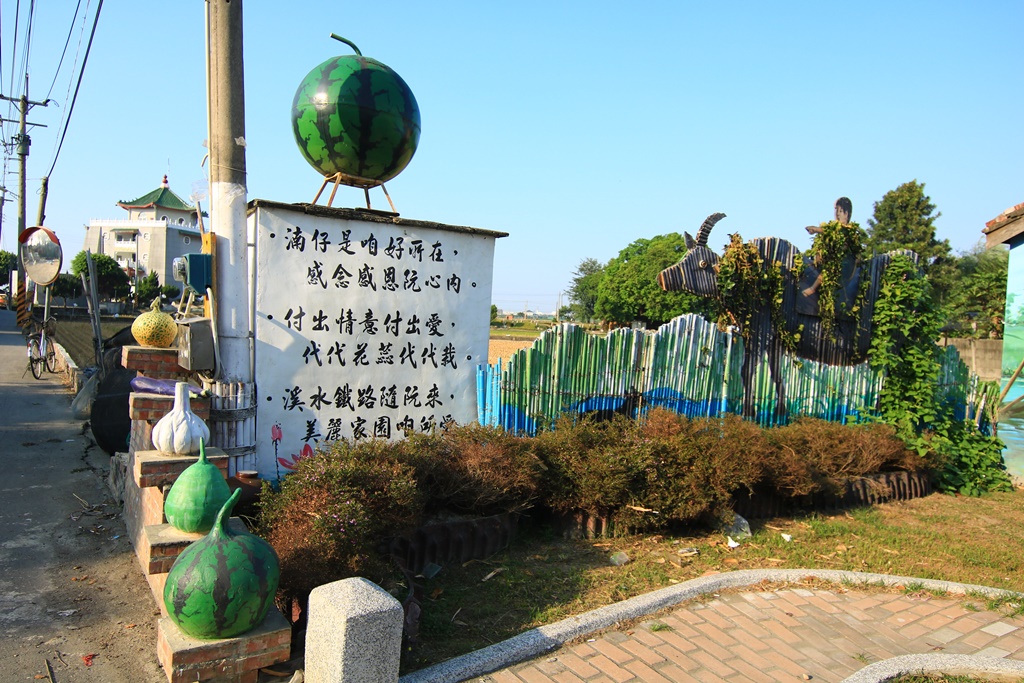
x=162, y=543
x=151, y=407
x=153, y=468
x=229, y=660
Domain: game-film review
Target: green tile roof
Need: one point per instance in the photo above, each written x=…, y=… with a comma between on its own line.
x=162, y=197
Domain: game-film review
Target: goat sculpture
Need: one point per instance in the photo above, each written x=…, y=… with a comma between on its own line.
x=843, y=342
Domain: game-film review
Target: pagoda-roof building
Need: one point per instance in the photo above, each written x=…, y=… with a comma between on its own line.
x=160, y=226
x=162, y=197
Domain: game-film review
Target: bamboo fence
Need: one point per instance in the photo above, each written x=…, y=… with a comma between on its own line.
x=688, y=366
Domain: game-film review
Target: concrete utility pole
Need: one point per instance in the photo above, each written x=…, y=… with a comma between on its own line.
x=228, y=197
x=23, y=141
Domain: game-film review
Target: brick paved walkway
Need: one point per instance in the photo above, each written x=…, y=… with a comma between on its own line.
x=783, y=635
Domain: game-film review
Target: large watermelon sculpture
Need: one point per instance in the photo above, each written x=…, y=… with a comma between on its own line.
x=355, y=116
x=223, y=584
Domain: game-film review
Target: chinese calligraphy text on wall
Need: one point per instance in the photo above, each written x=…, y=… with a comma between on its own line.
x=365, y=328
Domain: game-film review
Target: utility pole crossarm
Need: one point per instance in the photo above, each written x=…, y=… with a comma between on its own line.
x=24, y=142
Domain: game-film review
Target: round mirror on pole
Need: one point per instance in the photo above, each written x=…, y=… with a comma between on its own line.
x=41, y=254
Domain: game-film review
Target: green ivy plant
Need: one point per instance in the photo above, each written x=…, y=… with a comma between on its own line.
x=745, y=283
x=905, y=325
x=836, y=243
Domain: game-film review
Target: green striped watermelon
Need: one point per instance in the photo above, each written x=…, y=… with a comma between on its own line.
x=223, y=584
x=356, y=116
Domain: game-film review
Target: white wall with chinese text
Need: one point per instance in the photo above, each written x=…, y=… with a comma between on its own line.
x=364, y=328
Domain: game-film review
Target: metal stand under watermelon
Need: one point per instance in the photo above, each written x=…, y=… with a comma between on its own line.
x=353, y=181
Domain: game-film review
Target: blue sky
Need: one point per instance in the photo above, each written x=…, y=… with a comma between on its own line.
x=575, y=127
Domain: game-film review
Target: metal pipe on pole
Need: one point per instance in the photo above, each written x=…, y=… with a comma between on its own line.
x=228, y=194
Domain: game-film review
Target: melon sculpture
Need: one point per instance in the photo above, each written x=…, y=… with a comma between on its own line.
x=197, y=496
x=155, y=328
x=223, y=584
x=356, y=116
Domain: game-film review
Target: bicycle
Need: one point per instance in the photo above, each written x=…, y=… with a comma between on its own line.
x=40, y=348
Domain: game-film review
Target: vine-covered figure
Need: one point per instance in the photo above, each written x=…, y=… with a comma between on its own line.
x=759, y=287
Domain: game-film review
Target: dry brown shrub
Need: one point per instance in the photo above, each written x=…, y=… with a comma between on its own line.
x=811, y=455
x=330, y=515
x=697, y=465
x=588, y=464
x=470, y=469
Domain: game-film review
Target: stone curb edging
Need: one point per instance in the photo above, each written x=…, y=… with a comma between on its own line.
x=72, y=373
x=939, y=664
x=543, y=639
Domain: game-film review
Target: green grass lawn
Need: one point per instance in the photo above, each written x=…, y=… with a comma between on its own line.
x=542, y=578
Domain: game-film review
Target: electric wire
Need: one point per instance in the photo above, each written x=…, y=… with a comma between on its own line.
x=81, y=72
x=14, y=46
x=60, y=63
x=74, y=68
x=3, y=136
x=14, y=51
x=27, y=51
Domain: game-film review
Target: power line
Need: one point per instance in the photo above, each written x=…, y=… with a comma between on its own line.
x=14, y=48
x=3, y=135
x=14, y=51
x=81, y=72
x=27, y=52
x=74, y=68
x=71, y=32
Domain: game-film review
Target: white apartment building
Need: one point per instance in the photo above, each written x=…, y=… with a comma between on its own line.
x=160, y=227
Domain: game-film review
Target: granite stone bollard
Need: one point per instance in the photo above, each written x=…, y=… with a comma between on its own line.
x=354, y=633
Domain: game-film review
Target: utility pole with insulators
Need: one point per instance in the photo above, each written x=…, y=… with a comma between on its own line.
x=23, y=142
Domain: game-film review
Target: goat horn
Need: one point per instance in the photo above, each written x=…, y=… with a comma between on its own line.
x=705, y=228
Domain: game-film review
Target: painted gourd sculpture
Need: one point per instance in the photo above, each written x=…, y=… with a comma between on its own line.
x=197, y=496
x=223, y=584
x=155, y=328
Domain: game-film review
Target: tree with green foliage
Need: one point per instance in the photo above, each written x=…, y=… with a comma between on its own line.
x=8, y=262
x=148, y=289
x=494, y=312
x=904, y=219
x=977, y=303
x=583, y=290
x=66, y=286
x=629, y=289
x=111, y=280
x=170, y=292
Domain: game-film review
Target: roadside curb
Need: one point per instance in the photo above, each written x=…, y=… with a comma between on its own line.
x=72, y=374
x=938, y=664
x=541, y=640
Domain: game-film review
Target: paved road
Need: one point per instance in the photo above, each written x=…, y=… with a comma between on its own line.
x=69, y=586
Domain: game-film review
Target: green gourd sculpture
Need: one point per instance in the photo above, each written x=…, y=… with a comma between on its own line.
x=196, y=496
x=223, y=584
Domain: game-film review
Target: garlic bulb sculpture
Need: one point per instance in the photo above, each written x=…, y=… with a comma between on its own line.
x=180, y=431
